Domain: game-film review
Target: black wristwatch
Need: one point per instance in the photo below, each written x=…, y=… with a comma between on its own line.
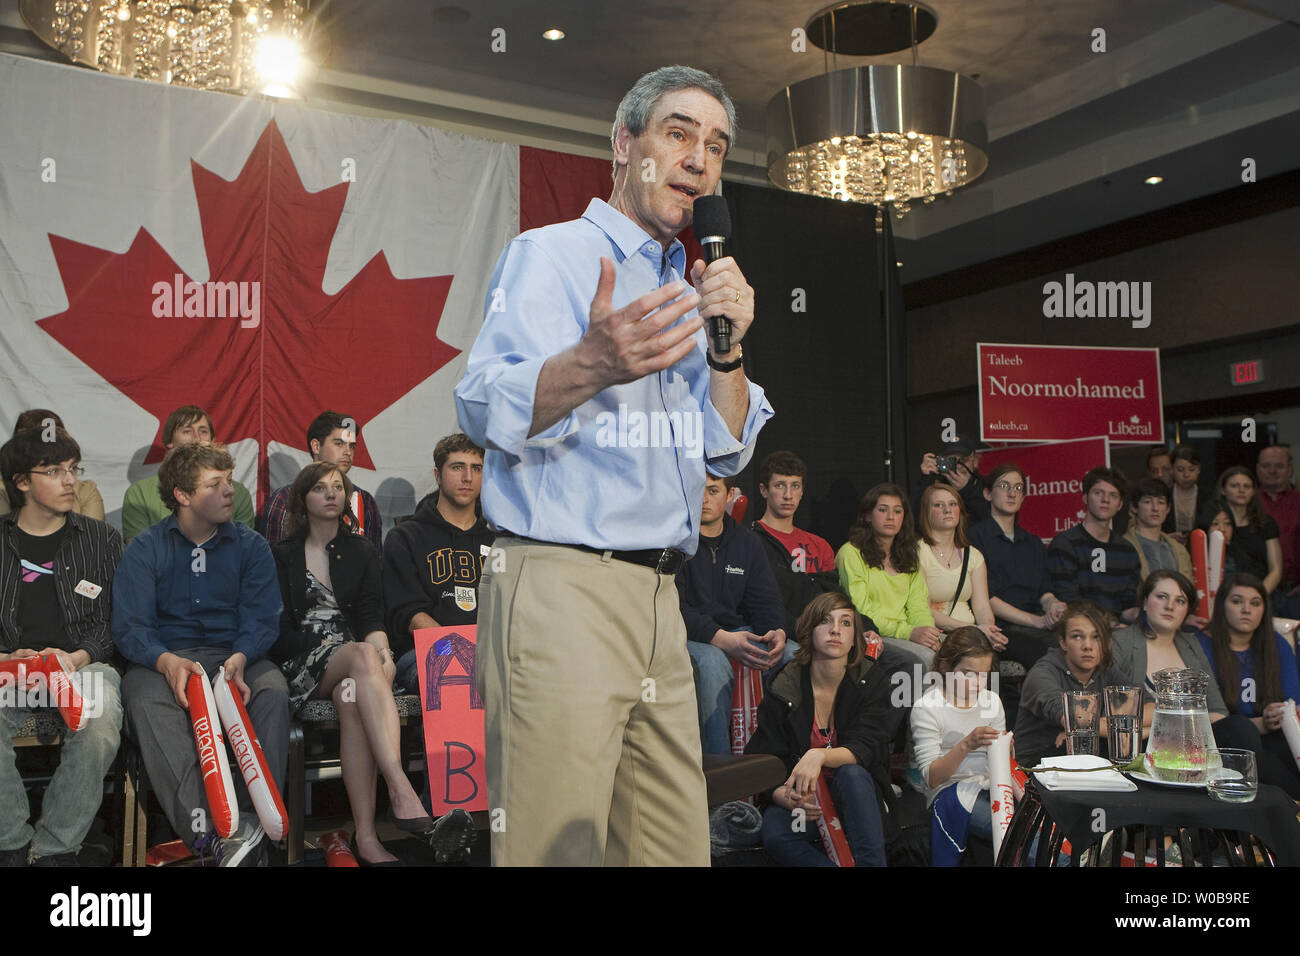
x=731, y=366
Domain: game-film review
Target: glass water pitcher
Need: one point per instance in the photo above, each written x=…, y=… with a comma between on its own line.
x=1181, y=748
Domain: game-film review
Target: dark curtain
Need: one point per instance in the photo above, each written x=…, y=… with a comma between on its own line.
x=823, y=368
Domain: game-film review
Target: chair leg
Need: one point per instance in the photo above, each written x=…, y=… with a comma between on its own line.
x=135, y=789
x=295, y=794
x=127, y=805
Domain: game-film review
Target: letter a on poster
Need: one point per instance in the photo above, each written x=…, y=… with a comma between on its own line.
x=453, y=718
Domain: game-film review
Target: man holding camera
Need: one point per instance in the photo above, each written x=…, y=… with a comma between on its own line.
x=957, y=464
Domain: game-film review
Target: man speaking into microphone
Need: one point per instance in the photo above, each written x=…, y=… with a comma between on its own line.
x=591, y=332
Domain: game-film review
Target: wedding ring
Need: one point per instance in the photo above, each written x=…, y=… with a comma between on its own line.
x=737, y=297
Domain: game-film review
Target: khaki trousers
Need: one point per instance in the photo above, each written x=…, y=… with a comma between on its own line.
x=593, y=738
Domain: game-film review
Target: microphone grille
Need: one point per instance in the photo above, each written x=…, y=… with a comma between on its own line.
x=711, y=218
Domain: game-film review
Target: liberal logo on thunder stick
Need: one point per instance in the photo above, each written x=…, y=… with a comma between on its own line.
x=1047, y=393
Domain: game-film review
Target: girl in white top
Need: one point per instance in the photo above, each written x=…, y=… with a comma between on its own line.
x=942, y=526
x=952, y=726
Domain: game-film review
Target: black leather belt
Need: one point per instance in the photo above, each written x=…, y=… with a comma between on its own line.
x=665, y=561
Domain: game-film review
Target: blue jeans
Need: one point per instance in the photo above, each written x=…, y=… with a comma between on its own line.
x=77, y=788
x=714, y=692
x=854, y=793
x=407, y=676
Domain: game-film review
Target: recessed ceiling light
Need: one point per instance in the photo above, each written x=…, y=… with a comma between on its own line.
x=553, y=34
x=1154, y=180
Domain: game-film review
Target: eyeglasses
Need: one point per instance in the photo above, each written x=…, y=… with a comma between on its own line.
x=76, y=471
x=1009, y=488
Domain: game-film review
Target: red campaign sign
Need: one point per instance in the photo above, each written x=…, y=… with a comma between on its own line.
x=1038, y=393
x=453, y=718
x=1053, y=480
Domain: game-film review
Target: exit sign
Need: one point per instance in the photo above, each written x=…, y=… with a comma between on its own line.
x=1247, y=373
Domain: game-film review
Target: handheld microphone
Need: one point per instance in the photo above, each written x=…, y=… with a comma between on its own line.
x=712, y=222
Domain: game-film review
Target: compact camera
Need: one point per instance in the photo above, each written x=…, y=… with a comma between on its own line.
x=946, y=464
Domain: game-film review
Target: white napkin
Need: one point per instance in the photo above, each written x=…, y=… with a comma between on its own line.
x=1109, y=779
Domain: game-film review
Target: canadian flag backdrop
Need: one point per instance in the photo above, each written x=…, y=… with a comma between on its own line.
x=365, y=244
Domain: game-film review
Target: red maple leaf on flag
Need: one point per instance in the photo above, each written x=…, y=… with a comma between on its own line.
x=357, y=351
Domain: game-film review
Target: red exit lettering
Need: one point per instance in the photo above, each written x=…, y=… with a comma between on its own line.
x=1246, y=373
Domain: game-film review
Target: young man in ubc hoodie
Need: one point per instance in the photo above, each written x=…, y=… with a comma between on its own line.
x=732, y=609
x=433, y=560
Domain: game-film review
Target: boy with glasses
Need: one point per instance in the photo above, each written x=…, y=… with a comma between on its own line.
x=143, y=505
x=56, y=577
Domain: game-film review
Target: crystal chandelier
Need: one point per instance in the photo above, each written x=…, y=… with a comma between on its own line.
x=236, y=46
x=884, y=135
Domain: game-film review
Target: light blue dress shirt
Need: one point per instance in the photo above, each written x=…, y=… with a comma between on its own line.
x=626, y=469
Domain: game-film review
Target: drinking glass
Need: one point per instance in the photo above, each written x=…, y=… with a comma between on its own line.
x=1082, y=720
x=1237, y=780
x=1123, y=723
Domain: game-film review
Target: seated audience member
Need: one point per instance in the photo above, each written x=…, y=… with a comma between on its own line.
x=1149, y=503
x=963, y=477
x=434, y=559
x=332, y=438
x=1220, y=519
x=733, y=612
x=1160, y=464
x=802, y=562
x=952, y=725
x=143, y=505
x=87, y=500
x=1256, y=670
x=54, y=564
x=1090, y=562
x=332, y=646
x=880, y=570
x=955, y=576
x=1255, y=546
x=195, y=593
x=1081, y=661
x=1187, y=498
x=1158, y=640
x=827, y=711
x=1020, y=592
x=1278, y=497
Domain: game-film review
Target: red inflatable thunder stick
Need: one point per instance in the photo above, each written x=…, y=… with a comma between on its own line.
x=1207, y=560
x=61, y=689
x=23, y=669
x=336, y=849
x=212, y=756
x=252, y=762
x=830, y=827
x=746, y=695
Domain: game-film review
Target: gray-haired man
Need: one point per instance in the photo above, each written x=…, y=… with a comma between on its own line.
x=593, y=746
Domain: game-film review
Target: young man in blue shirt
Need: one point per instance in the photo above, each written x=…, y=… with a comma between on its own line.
x=194, y=593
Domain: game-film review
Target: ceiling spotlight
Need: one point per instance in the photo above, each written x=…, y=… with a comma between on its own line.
x=280, y=64
x=553, y=34
x=1154, y=180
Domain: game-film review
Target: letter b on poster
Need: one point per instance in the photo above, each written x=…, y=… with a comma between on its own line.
x=453, y=718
